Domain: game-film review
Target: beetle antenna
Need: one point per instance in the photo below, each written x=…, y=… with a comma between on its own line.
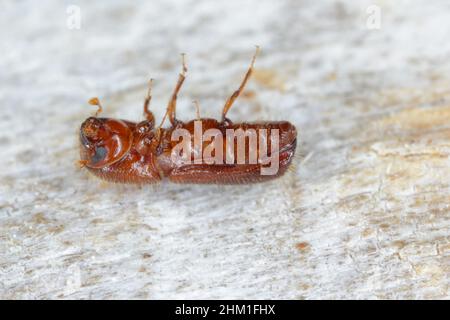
x=95, y=102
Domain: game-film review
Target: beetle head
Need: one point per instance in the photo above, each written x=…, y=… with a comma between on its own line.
x=104, y=141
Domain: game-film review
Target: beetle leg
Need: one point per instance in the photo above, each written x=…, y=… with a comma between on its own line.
x=147, y=113
x=171, y=108
x=197, y=109
x=236, y=94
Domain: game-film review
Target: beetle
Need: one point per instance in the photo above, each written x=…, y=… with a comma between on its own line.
x=127, y=152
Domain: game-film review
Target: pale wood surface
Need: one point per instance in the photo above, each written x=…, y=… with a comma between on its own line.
x=364, y=214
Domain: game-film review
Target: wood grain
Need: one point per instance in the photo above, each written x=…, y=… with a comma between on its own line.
x=364, y=214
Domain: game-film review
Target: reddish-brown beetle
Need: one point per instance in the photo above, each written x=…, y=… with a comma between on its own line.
x=127, y=152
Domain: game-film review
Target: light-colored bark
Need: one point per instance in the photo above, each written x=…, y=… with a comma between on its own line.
x=364, y=213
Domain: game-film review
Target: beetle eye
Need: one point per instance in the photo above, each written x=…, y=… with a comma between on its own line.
x=100, y=154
